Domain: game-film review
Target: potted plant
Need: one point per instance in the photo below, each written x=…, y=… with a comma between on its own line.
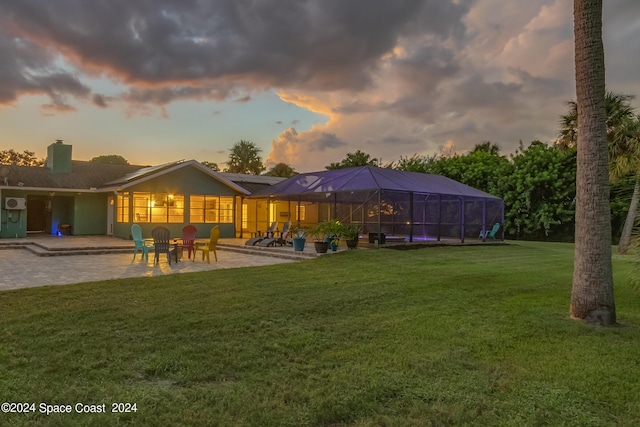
x=333, y=233
x=351, y=234
x=319, y=235
x=299, y=237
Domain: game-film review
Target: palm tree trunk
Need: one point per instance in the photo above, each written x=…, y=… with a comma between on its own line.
x=592, y=293
x=625, y=237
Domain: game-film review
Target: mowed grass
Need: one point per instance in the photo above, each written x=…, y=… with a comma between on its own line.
x=435, y=336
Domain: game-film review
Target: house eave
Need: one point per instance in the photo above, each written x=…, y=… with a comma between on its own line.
x=54, y=189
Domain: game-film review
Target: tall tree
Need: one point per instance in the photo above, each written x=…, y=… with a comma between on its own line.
x=487, y=147
x=26, y=158
x=620, y=138
x=624, y=155
x=592, y=292
x=618, y=107
x=244, y=157
x=281, y=170
x=359, y=158
x=211, y=165
x=113, y=159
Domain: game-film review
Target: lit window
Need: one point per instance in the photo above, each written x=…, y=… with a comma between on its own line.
x=175, y=208
x=245, y=215
x=122, y=208
x=226, y=210
x=301, y=213
x=158, y=207
x=272, y=212
x=141, y=207
x=196, y=209
x=210, y=209
x=207, y=209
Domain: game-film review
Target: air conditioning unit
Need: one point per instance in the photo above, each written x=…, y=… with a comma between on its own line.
x=15, y=203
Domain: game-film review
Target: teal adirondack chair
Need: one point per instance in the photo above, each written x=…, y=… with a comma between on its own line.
x=490, y=234
x=136, y=234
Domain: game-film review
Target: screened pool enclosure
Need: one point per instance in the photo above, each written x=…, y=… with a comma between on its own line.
x=386, y=203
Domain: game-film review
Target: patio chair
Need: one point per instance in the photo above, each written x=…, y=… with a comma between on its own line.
x=284, y=239
x=188, y=237
x=260, y=237
x=162, y=244
x=490, y=234
x=280, y=240
x=208, y=247
x=136, y=234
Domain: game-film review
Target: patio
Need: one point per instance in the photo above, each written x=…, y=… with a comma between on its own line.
x=44, y=260
x=77, y=259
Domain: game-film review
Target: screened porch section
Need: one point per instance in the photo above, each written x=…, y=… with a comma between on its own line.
x=404, y=206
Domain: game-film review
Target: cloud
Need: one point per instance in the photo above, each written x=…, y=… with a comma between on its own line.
x=302, y=148
x=392, y=77
x=620, y=34
x=28, y=69
x=56, y=107
x=319, y=45
x=100, y=100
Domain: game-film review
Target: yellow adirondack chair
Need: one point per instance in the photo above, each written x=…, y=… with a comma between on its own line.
x=208, y=247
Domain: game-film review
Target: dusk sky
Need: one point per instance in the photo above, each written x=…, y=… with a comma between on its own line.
x=307, y=80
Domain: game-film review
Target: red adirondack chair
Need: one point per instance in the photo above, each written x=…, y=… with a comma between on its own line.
x=188, y=237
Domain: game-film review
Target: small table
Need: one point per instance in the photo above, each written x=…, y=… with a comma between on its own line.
x=177, y=249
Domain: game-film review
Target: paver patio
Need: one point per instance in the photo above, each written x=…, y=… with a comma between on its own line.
x=22, y=269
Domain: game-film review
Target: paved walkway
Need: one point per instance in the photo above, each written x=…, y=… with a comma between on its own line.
x=20, y=268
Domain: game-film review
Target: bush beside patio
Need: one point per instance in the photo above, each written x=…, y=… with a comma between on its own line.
x=443, y=335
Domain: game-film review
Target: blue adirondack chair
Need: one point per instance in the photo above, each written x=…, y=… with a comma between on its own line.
x=136, y=234
x=490, y=234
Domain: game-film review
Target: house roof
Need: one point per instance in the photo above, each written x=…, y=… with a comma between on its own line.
x=92, y=176
x=84, y=175
x=371, y=178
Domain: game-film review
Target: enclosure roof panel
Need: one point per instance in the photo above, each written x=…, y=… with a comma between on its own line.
x=371, y=178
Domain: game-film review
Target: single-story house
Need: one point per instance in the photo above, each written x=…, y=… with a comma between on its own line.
x=89, y=198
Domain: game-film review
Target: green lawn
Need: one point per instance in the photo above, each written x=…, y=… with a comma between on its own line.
x=434, y=336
